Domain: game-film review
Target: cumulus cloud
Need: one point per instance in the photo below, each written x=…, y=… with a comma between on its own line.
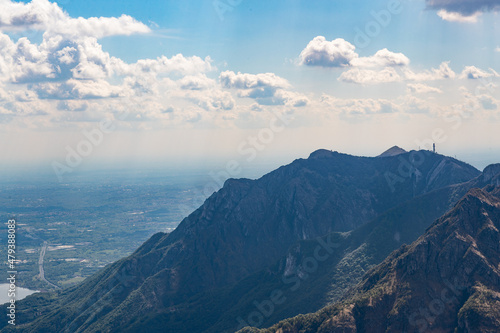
x=335, y=53
x=229, y=79
x=368, y=76
x=420, y=88
x=212, y=100
x=401, y=74
x=412, y=104
x=462, y=10
x=65, y=73
x=341, y=53
x=443, y=72
x=473, y=73
x=383, y=67
x=465, y=7
x=68, y=70
x=57, y=60
x=49, y=17
x=76, y=106
x=382, y=58
x=457, y=17
x=288, y=98
x=264, y=88
x=196, y=82
x=176, y=65
x=476, y=101
x=77, y=89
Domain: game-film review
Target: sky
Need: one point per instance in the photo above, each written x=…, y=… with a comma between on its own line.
x=235, y=83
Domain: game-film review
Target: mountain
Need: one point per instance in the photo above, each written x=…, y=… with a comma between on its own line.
x=354, y=254
x=446, y=281
x=393, y=151
x=238, y=241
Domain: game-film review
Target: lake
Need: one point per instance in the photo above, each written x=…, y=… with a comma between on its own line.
x=20, y=293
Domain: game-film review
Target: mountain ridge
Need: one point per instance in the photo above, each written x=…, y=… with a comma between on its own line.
x=446, y=280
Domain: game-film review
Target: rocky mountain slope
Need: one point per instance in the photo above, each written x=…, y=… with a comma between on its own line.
x=354, y=253
x=223, y=250
x=446, y=281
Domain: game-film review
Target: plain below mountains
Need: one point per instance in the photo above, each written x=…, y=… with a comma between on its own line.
x=249, y=255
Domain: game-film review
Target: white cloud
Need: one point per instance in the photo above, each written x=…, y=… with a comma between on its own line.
x=264, y=88
x=74, y=70
x=420, y=88
x=68, y=77
x=24, y=95
x=229, y=79
x=472, y=72
x=196, y=82
x=24, y=61
x=57, y=59
x=97, y=27
x=69, y=105
x=256, y=107
x=412, y=104
x=49, y=17
x=67, y=55
x=335, y=53
x=212, y=100
x=488, y=102
x=77, y=89
x=5, y=115
x=382, y=58
x=473, y=102
x=356, y=107
x=372, y=106
x=458, y=17
x=368, y=76
x=290, y=98
x=404, y=73
x=462, y=10
x=177, y=65
x=341, y=53
x=443, y=72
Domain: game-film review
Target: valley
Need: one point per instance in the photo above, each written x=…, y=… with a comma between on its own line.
x=68, y=231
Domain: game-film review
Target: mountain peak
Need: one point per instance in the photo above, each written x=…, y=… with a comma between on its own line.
x=476, y=193
x=393, y=151
x=322, y=153
x=492, y=171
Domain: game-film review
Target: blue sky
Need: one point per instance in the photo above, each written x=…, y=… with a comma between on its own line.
x=259, y=35
x=179, y=79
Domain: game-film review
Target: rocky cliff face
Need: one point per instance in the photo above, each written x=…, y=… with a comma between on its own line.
x=242, y=229
x=446, y=281
x=491, y=175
